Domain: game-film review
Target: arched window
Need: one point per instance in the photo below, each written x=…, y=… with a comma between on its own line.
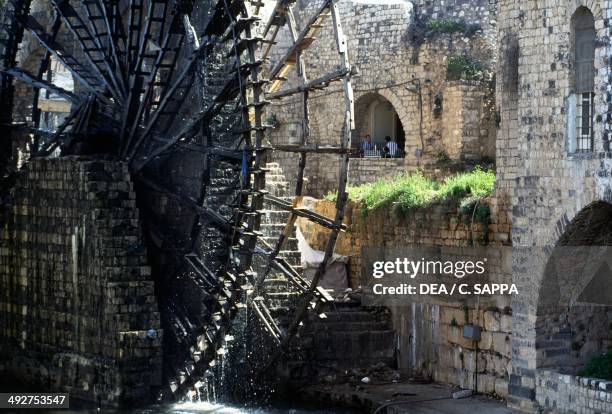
x=583, y=79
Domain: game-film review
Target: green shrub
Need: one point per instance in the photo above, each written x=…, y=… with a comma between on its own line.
x=463, y=67
x=471, y=208
x=273, y=121
x=406, y=192
x=599, y=366
x=437, y=26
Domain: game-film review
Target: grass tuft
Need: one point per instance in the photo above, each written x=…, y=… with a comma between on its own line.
x=406, y=192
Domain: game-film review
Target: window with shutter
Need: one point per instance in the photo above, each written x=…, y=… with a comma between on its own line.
x=583, y=46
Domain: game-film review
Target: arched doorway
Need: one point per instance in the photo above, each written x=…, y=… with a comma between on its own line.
x=376, y=117
x=574, y=312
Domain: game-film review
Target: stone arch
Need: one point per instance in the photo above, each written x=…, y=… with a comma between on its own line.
x=574, y=306
x=31, y=54
x=366, y=107
x=592, y=5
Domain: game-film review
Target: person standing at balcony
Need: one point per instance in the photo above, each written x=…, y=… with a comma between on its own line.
x=390, y=149
x=367, y=145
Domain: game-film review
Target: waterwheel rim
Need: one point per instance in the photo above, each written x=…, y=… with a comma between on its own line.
x=139, y=67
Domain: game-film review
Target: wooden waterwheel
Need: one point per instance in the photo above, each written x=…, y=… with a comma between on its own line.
x=157, y=83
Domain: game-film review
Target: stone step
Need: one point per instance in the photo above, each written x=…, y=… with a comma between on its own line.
x=373, y=326
x=273, y=176
x=290, y=243
x=354, y=345
x=275, y=217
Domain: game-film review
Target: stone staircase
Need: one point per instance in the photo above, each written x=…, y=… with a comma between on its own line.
x=349, y=337
x=281, y=294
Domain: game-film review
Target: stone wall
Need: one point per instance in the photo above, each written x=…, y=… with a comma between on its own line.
x=394, y=63
x=438, y=225
x=78, y=312
x=468, y=129
x=546, y=183
x=431, y=342
x=562, y=393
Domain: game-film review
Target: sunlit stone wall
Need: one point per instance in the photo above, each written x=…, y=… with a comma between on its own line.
x=398, y=60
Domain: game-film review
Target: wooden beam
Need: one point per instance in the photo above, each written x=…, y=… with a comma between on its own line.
x=304, y=213
x=80, y=73
x=266, y=319
x=342, y=198
x=34, y=82
x=86, y=40
x=315, y=84
x=287, y=62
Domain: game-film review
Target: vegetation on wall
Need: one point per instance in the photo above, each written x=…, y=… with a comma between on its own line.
x=423, y=29
x=435, y=27
x=273, y=120
x=464, y=67
x=472, y=210
x=599, y=366
x=410, y=191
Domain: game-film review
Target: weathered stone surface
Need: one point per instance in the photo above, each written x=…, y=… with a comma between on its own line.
x=77, y=300
x=431, y=341
x=398, y=66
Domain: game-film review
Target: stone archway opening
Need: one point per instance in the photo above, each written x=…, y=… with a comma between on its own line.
x=53, y=108
x=376, y=117
x=574, y=312
x=44, y=109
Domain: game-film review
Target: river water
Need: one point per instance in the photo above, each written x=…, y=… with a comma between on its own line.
x=200, y=408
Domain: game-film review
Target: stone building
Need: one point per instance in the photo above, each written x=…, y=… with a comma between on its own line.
x=422, y=76
x=553, y=166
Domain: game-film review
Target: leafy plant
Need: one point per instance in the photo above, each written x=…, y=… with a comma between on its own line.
x=442, y=157
x=438, y=26
x=477, y=183
x=463, y=67
x=273, y=121
x=472, y=208
x=599, y=366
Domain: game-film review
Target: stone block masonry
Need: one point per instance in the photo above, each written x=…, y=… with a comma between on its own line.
x=548, y=184
x=438, y=225
x=435, y=117
x=78, y=312
x=560, y=393
x=430, y=335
